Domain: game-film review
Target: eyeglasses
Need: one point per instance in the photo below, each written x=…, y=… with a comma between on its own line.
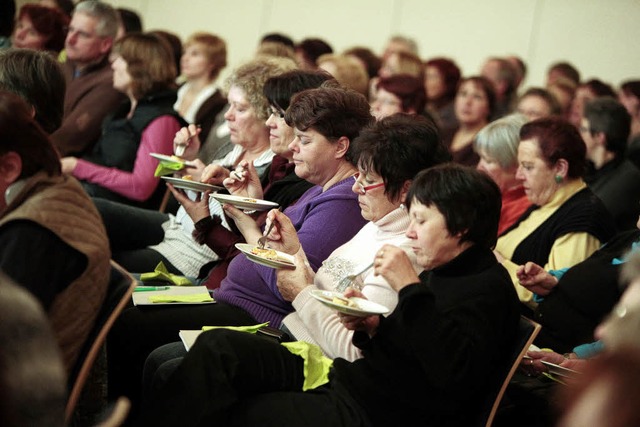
x=364, y=188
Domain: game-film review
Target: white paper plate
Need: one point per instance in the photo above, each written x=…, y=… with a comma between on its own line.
x=560, y=371
x=165, y=158
x=245, y=202
x=284, y=260
x=187, y=184
x=364, y=308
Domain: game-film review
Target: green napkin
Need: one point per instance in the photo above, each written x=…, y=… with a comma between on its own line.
x=203, y=297
x=250, y=329
x=316, y=364
x=162, y=274
x=167, y=167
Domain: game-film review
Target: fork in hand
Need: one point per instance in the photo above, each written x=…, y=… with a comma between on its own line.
x=263, y=240
x=349, y=280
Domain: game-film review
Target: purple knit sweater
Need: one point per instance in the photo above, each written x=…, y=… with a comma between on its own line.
x=324, y=221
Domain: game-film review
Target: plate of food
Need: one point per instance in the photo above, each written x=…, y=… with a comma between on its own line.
x=267, y=257
x=353, y=306
x=245, y=203
x=187, y=183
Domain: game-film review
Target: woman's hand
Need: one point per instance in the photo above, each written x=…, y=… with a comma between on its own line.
x=193, y=168
x=247, y=226
x=394, y=265
x=186, y=143
x=368, y=324
x=244, y=181
x=536, y=279
x=197, y=209
x=283, y=236
x=68, y=164
x=214, y=174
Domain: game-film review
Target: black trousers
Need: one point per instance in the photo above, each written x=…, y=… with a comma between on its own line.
x=231, y=378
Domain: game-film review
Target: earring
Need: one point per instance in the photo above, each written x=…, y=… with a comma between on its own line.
x=558, y=179
x=402, y=206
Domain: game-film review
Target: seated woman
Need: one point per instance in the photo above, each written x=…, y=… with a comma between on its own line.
x=474, y=105
x=537, y=103
x=52, y=240
x=441, y=79
x=141, y=238
x=120, y=167
x=572, y=302
x=389, y=154
x=566, y=222
x=400, y=93
x=428, y=363
x=199, y=98
x=326, y=121
x=40, y=28
x=497, y=146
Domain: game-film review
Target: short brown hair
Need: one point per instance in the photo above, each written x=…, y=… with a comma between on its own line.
x=149, y=62
x=214, y=49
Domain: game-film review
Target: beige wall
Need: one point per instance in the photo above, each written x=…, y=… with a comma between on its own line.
x=598, y=36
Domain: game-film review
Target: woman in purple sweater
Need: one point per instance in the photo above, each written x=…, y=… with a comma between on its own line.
x=326, y=120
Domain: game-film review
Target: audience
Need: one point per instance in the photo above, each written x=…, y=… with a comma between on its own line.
x=40, y=28
x=615, y=180
x=90, y=95
x=200, y=100
x=400, y=93
x=441, y=79
x=565, y=223
x=38, y=79
x=462, y=305
x=537, y=103
x=497, y=146
x=120, y=167
x=474, y=105
x=52, y=241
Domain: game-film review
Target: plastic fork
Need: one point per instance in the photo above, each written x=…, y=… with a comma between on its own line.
x=263, y=240
x=348, y=280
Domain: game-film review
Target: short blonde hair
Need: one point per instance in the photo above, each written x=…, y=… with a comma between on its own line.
x=214, y=48
x=350, y=72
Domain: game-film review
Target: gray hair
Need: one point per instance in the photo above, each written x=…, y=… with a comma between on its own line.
x=107, y=17
x=499, y=140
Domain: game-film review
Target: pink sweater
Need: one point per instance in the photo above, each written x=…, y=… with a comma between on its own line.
x=139, y=184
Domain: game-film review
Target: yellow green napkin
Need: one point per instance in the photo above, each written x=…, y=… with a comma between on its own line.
x=203, y=297
x=162, y=274
x=250, y=329
x=167, y=167
x=316, y=364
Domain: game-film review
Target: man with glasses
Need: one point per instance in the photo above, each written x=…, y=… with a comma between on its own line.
x=90, y=95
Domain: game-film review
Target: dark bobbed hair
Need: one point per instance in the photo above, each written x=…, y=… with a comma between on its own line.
x=366, y=55
x=312, y=49
x=546, y=96
x=38, y=78
x=409, y=89
x=631, y=87
x=131, y=20
x=278, y=38
x=487, y=87
x=398, y=147
x=332, y=112
x=450, y=74
x=21, y=134
x=558, y=139
x=279, y=89
x=174, y=42
x=607, y=115
x=469, y=200
x=49, y=22
x=599, y=88
x=150, y=62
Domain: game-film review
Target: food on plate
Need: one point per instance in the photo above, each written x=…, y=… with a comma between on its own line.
x=265, y=253
x=344, y=301
x=176, y=158
x=188, y=177
x=250, y=200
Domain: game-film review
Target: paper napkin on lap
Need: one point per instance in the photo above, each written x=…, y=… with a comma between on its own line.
x=162, y=274
x=167, y=167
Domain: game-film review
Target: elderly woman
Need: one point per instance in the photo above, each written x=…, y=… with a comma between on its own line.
x=120, y=167
x=497, y=146
x=40, y=28
x=52, y=241
x=399, y=93
x=199, y=99
x=441, y=79
x=566, y=222
x=474, y=104
x=326, y=121
x=428, y=363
